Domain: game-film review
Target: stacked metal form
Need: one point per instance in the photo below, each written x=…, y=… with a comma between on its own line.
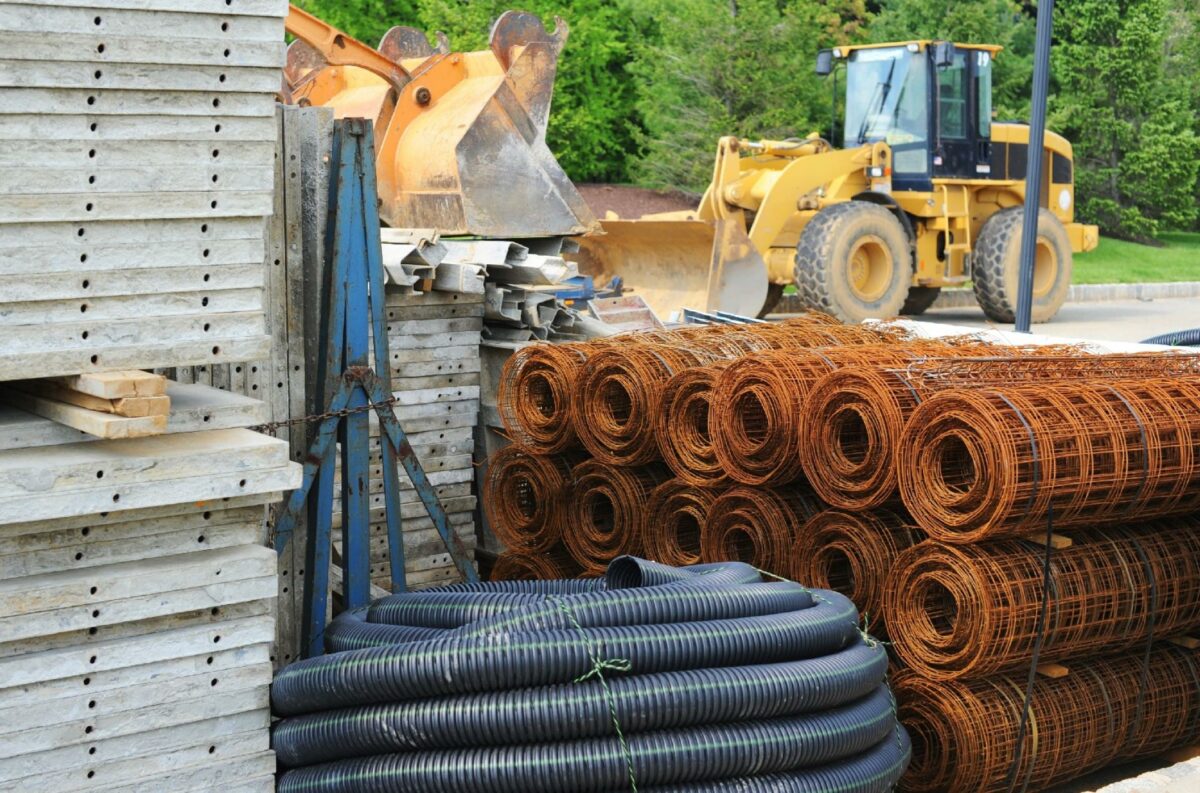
x=136, y=176
x=137, y=601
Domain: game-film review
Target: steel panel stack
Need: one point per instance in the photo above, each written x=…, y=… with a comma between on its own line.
x=135, y=177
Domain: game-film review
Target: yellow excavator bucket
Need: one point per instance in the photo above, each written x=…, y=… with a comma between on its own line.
x=460, y=136
x=675, y=261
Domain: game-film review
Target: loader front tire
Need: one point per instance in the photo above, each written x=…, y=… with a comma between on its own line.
x=854, y=262
x=996, y=266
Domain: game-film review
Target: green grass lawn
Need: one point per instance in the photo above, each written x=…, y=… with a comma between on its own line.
x=1118, y=262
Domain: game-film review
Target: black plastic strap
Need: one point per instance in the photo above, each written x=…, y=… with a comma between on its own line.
x=1134, y=504
x=1037, y=459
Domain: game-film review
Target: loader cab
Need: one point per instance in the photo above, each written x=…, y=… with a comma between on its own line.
x=931, y=102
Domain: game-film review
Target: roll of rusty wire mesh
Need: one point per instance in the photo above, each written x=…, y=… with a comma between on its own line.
x=535, y=390
x=852, y=553
x=981, y=463
x=618, y=398
x=757, y=526
x=964, y=733
x=852, y=423
x=759, y=399
x=547, y=565
x=675, y=518
x=684, y=435
x=606, y=511
x=966, y=611
x=525, y=497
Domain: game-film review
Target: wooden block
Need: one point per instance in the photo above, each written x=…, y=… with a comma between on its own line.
x=95, y=423
x=130, y=407
x=1057, y=541
x=115, y=385
x=1186, y=642
x=1183, y=754
x=1053, y=671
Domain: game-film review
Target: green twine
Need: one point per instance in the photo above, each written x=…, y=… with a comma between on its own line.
x=597, y=671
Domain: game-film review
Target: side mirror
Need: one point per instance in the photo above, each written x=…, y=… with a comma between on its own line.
x=824, y=62
x=943, y=54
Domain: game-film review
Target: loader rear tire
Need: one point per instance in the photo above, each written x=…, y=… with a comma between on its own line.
x=996, y=266
x=919, y=299
x=854, y=262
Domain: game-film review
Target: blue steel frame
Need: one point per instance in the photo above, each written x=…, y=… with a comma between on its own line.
x=353, y=313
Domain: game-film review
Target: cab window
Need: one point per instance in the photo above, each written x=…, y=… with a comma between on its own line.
x=952, y=97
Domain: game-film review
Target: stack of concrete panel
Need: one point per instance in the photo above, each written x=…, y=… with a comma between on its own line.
x=135, y=176
x=136, y=602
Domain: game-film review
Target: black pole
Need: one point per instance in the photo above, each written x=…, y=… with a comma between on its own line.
x=1033, y=172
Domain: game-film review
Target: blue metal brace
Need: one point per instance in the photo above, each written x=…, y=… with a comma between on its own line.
x=353, y=312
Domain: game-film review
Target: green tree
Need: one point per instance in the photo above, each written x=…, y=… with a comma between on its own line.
x=365, y=20
x=1129, y=119
x=708, y=69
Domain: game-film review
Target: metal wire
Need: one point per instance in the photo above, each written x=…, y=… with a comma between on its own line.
x=757, y=526
x=964, y=732
x=758, y=401
x=969, y=611
x=534, y=396
x=684, y=436
x=525, y=497
x=546, y=565
x=606, y=511
x=675, y=518
x=852, y=553
x=852, y=422
x=975, y=464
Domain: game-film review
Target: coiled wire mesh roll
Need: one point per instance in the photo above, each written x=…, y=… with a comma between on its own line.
x=607, y=511
x=1105, y=711
x=712, y=680
x=684, y=435
x=674, y=523
x=966, y=611
x=535, y=390
x=525, y=497
x=545, y=565
x=757, y=526
x=981, y=463
x=853, y=553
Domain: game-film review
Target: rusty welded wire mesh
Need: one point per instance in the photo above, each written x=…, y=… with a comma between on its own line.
x=606, y=511
x=971, y=610
x=546, y=565
x=853, y=420
x=535, y=390
x=684, y=436
x=675, y=518
x=964, y=733
x=525, y=497
x=757, y=526
x=758, y=401
x=991, y=462
x=852, y=553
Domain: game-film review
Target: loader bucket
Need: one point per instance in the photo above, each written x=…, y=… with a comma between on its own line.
x=678, y=263
x=460, y=136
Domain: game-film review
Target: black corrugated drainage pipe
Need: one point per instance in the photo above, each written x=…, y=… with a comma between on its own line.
x=1179, y=338
x=656, y=678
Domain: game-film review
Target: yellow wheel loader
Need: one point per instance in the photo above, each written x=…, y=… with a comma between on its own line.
x=926, y=193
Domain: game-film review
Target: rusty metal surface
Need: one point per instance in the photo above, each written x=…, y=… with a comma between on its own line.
x=525, y=497
x=852, y=553
x=684, y=434
x=547, y=565
x=757, y=526
x=973, y=610
x=674, y=522
x=853, y=420
x=964, y=733
x=606, y=512
x=982, y=463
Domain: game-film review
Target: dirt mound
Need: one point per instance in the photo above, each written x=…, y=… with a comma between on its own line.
x=633, y=202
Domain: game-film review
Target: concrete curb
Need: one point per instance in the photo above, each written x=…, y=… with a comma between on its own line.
x=1078, y=293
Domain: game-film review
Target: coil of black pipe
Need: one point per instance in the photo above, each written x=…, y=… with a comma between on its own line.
x=705, y=678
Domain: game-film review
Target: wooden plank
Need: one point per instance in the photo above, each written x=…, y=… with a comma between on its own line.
x=116, y=385
x=100, y=425
x=129, y=407
x=1053, y=671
